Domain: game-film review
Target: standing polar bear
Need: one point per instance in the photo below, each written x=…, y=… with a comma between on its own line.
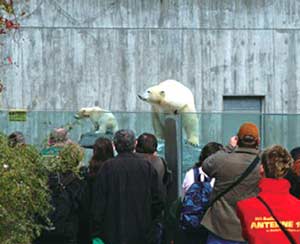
x=103, y=121
x=171, y=97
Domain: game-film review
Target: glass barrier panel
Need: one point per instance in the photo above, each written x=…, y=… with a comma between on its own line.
x=38, y=125
x=220, y=127
x=281, y=129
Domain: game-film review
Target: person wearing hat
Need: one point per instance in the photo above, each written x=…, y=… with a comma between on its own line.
x=258, y=214
x=221, y=219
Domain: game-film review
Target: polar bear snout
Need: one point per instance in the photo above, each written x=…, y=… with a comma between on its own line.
x=77, y=116
x=141, y=97
x=145, y=96
x=82, y=113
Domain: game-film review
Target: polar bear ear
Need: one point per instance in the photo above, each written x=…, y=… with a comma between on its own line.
x=162, y=93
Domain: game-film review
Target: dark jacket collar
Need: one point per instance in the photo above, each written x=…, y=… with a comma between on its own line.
x=126, y=154
x=246, y=150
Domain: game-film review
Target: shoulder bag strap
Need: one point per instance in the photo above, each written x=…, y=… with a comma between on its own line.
x=285, y=231
x=59, y=180
x=196, y=174
x=68, y=179
x=167, y=178
x=240, y=178
x=164, y=163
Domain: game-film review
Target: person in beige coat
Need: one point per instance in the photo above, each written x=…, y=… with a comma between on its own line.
x=221, y=219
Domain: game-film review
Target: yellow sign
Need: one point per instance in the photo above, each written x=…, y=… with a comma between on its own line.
x=17, y=114
x=269, y=224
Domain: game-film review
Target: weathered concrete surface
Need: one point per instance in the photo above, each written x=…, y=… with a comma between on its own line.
x=74, y=53
x=210, y=14
x=77, y=53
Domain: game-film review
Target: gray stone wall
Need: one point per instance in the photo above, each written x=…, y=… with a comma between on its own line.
x=74, y=53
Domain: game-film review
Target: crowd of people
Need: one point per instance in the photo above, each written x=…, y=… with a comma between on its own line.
x=253, y=195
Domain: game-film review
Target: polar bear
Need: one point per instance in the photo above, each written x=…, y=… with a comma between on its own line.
x=103, y=121
x=171, y=97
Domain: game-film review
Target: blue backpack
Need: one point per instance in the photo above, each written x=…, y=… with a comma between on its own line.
x=194, y=204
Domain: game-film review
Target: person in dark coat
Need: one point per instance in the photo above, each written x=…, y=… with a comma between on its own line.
x=147, y=148
x=69, y=199
x=126, y=196
x=102, y=151
x=293, y=174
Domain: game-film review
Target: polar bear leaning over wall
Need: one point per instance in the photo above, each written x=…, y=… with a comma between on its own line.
x=171, y=97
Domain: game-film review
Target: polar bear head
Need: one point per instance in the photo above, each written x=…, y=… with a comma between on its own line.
x=88, y=112
x=153, y=95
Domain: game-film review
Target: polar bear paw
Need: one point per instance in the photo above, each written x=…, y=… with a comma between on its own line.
x=194, y=141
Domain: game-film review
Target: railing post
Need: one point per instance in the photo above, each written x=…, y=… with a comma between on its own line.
x=173, y=154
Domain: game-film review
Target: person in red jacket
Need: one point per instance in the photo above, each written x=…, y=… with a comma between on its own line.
x=258, y=224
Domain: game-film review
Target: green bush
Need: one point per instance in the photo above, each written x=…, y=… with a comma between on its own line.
x=24, y=197
x=67, y=158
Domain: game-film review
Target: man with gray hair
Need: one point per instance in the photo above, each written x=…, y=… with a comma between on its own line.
x=124, y=141
x=126, y=196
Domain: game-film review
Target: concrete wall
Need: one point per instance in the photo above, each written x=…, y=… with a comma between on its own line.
x=74, y=53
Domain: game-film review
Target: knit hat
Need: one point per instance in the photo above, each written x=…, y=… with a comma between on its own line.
x=248, y=129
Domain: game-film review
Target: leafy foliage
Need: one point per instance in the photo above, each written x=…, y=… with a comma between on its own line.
x=7, y=23
x=24, y=196
x=68, y=159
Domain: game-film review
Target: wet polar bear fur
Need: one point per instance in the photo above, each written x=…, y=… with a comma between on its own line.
x=103, y=120
x=171, y=97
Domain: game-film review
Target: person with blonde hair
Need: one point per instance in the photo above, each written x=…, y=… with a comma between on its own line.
x=274, y=215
